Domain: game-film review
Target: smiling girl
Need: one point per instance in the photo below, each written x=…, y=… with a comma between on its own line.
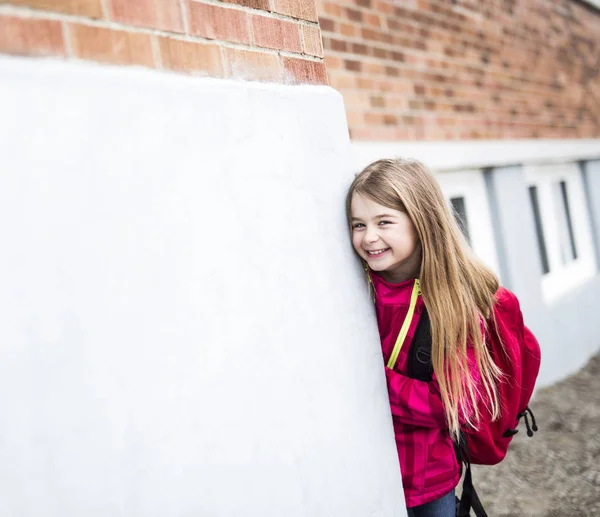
x=426, y=282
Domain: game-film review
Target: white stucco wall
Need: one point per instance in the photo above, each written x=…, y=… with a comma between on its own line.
x=183, y=327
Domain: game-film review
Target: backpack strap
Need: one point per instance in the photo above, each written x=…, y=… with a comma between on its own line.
x=469, y=498
x=419, y=353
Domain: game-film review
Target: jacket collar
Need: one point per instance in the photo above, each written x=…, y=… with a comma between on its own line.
x=388, y=293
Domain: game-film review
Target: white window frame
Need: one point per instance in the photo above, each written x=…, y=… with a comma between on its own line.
x=563, y=278
x=470, y=185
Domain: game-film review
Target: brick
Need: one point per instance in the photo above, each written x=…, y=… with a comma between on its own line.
x=364, y=83
x=354, y=14
x=374, y=69
x=359, y=48
x=337, y=45
x=191, y=57
x=371, y=35
x=334, y=62
x=347, y=29
x=384, y=86
x=158, y=14
x=373, y=20
x=111, y=46
x=342, y=80
x=302, y=9
x=214, y=22
x=378, y=101
x=300, y=71
x=384, y=6
x=354, y=118
x=380, y=53
x=358, y=99
x=326, y=24
x=253, y=66
x=332, y=9
x=88, y=8
x=353, y=65
x=31, y=36
x=375, y=119
x=311, y=36
x=276, y=34
x=255, y=4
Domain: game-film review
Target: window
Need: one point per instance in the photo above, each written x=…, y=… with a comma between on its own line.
x=539, y=230
x=460, y=214
x=466, y=194
x=568, y=250
x=562, y=227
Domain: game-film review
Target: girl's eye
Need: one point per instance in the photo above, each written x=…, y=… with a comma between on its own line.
x=356, y=226
x=385, y=222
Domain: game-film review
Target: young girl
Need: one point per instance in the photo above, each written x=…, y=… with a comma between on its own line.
x=425, y=280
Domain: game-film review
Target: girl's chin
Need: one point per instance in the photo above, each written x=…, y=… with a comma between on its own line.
x=376, y=266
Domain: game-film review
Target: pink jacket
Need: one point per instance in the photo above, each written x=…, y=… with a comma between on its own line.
x=427, y=459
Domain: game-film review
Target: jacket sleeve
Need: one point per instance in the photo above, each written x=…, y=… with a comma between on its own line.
x=415, y=402
x=419, y=403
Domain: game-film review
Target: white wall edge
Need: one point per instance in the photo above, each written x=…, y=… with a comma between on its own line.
x=450, y=155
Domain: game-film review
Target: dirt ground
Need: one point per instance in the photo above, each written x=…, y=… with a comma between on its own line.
x=557, y=472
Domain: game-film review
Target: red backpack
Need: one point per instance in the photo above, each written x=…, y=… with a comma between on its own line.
x=517, y=353
x=518, y=357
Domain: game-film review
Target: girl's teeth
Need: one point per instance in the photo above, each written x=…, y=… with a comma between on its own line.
x=376, y=252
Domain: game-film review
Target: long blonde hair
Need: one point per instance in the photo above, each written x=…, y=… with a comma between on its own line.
x=458, y=290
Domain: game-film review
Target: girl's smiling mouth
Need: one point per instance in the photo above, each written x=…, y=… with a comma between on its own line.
x=376, y=253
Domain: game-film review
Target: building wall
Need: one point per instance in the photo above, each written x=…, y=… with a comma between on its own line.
x=427, y=69
x=560, y=305
x=266, y=40
x=184, y=329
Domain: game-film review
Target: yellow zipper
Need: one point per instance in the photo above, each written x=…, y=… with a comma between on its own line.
x=406, y=324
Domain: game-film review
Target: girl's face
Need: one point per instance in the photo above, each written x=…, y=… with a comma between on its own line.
x=386, y=239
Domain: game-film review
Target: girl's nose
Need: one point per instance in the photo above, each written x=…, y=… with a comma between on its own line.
x=371, y=236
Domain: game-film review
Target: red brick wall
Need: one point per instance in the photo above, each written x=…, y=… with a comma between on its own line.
x=463, y=69
x=267, y=40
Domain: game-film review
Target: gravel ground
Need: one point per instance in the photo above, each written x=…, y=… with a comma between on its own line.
x=557, y=472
